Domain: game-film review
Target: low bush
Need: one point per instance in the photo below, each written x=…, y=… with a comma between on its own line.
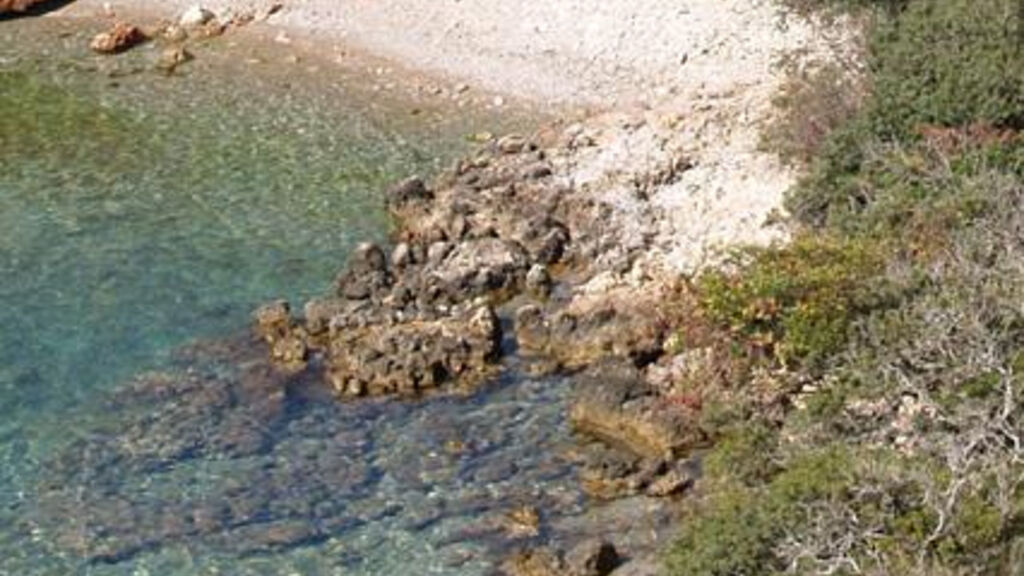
x=895, y=317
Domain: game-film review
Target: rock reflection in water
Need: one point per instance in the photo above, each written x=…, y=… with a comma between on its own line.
x=227, y=454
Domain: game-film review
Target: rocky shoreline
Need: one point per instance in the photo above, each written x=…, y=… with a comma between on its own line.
x=563, y=253
x=503, y=248
x=494, y=267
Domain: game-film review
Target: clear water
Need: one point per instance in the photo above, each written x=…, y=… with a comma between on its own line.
x=140, y=214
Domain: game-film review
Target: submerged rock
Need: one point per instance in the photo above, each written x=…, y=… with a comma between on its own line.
x=172, y=57
x=592, y=557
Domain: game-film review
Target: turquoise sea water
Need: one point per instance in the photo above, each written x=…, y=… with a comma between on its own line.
x=139, y=213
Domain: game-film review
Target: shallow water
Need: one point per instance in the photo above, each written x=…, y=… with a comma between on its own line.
x=142, y=218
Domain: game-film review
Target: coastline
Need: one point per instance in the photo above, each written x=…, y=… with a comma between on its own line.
x=705, y=96
x=587, y=225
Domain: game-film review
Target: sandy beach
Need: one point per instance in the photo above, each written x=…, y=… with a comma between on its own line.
x=664, y=83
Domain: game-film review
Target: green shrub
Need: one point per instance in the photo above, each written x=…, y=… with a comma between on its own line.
x=736, y=530
x=947, y=63
x=937, y=65
x=796, y=301
x=897, y=314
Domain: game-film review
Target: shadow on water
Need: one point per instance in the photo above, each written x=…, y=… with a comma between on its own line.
x=39, y=9
x=226, y=454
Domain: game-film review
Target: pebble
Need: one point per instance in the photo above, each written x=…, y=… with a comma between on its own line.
x=195, y=16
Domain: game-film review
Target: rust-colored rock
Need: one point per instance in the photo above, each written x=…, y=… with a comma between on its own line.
x=17, y=5
x=118, y=39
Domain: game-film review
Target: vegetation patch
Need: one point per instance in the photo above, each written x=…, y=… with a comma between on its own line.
x=893, y=321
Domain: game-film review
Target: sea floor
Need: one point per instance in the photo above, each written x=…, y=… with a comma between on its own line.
x=144, y=216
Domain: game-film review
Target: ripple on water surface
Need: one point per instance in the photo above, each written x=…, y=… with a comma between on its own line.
x=140, y=212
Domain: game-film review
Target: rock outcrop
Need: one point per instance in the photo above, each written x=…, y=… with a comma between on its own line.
x=504, y=224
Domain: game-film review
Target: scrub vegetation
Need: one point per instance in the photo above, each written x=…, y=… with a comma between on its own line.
x=871, y=419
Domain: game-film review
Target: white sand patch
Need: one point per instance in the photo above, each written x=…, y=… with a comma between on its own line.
x=679, y=80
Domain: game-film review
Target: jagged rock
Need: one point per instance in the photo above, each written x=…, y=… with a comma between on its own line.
x=613, y=404
x=366, y=274
x=412, y=357
x=276, y=327
x=504, y=262
x=118, y=39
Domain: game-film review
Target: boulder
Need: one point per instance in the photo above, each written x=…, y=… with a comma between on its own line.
x=414, y=356
x=366, y=274
x=408, y=190
x=613, y=404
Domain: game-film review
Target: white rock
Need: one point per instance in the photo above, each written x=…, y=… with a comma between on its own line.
x=196, y=16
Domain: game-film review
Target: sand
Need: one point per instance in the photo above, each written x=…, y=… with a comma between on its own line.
x=668, y=83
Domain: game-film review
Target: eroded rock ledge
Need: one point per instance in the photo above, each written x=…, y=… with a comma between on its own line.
x=504, y=230
x=504, y=248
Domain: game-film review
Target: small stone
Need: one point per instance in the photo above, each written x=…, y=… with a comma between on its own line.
x=437, y=252
x=592, y=557
x=538, y=281
x=175, y=33
x=674, y=482
x=536, y=171
x=173, y=57
x=118, y=39
x=401, y=256
x=283, y=38
x=195, y=16
x=511, y=144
